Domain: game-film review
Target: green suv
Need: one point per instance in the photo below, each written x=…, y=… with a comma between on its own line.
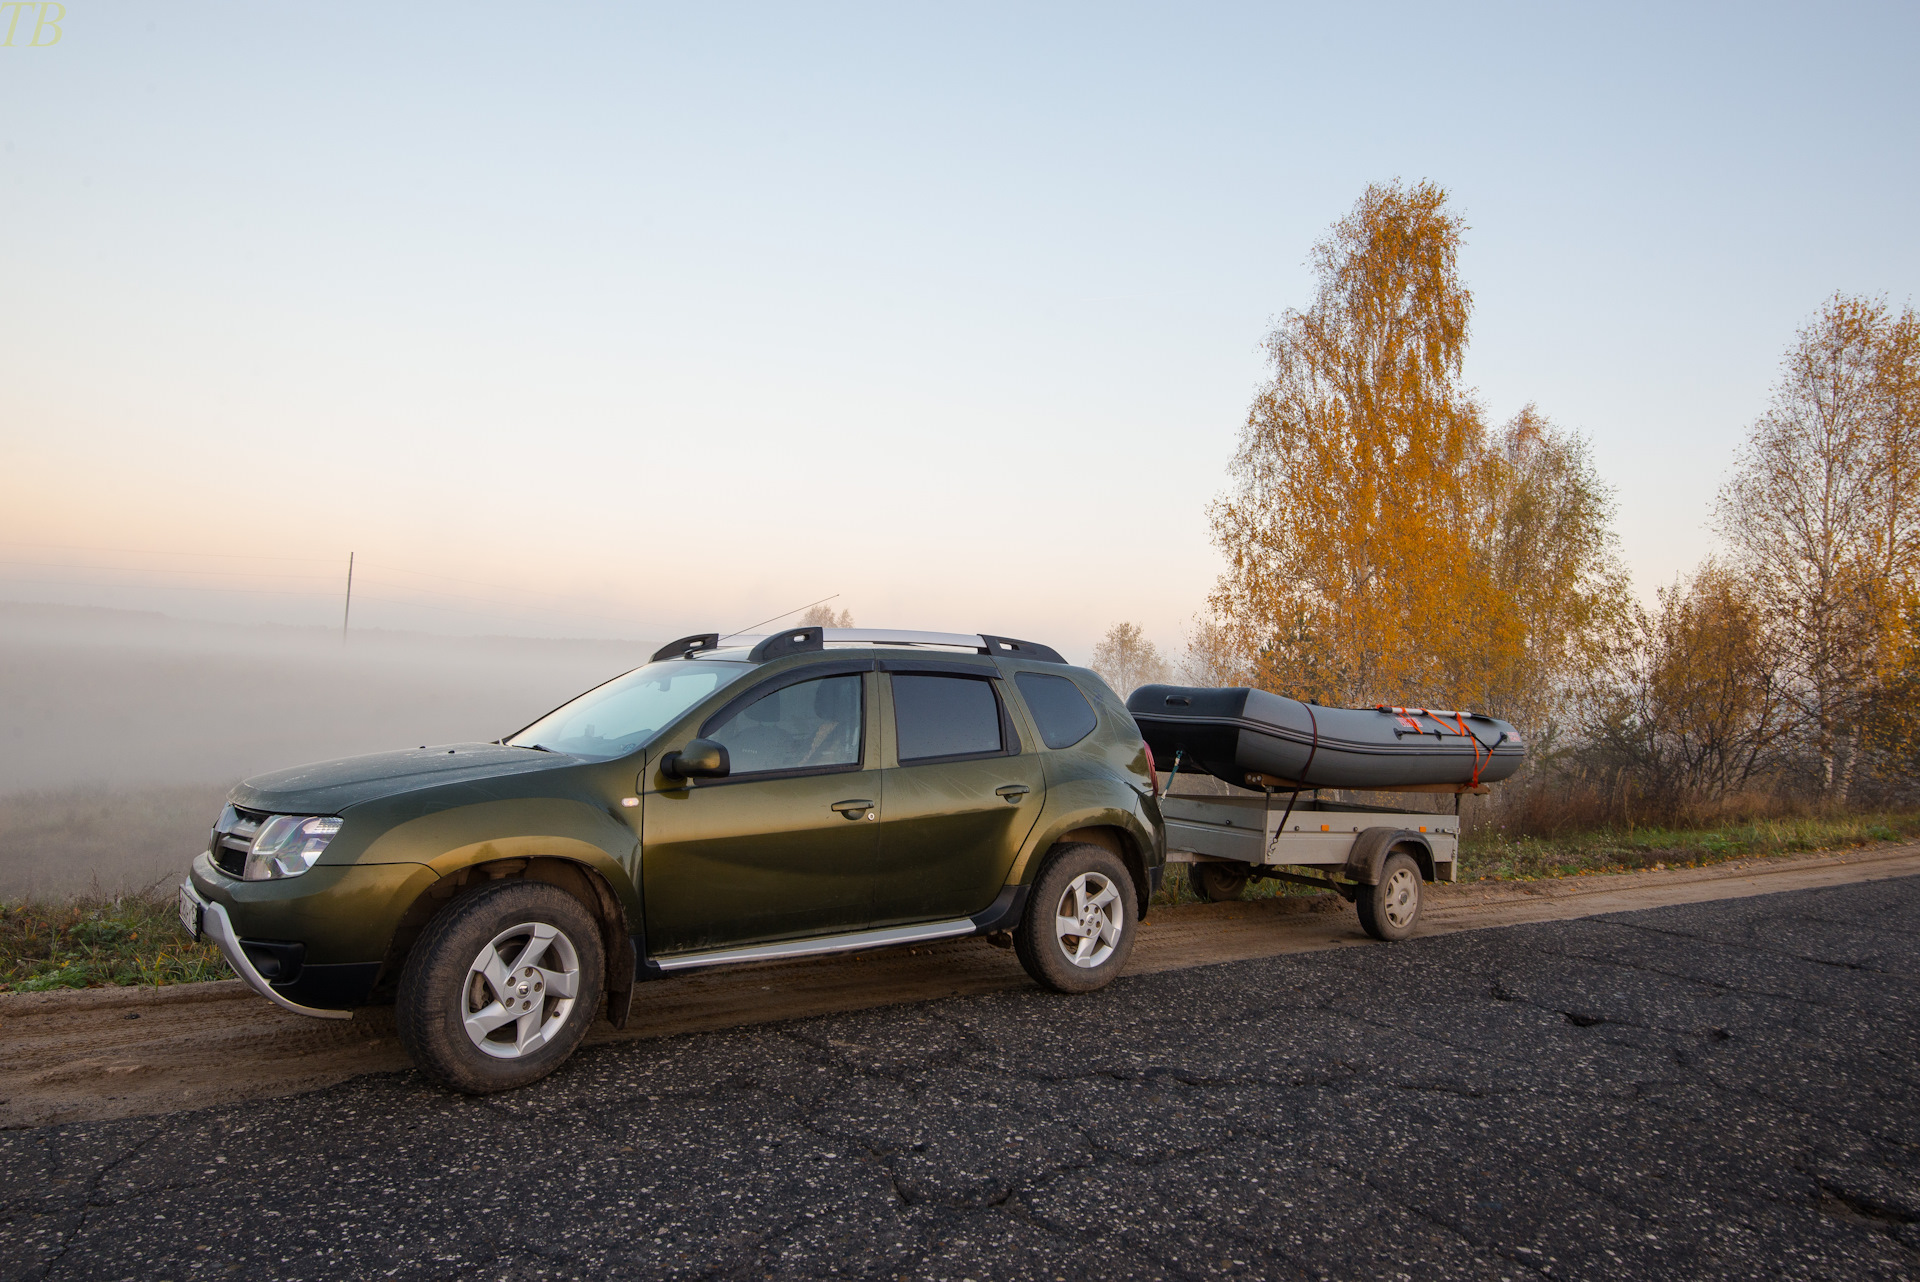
x=816, y=791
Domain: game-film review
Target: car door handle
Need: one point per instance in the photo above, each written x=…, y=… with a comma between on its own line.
x=853, y=809
x=1012, y=792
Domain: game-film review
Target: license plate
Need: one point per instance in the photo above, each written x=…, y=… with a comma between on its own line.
x=190, y=913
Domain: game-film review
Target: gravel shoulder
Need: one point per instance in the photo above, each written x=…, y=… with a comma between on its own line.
x=110, y=1053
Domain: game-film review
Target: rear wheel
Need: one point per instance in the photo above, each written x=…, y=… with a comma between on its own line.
x=1079, y=928
x=501, y=987
x=1391, y=909
x=1218, y=882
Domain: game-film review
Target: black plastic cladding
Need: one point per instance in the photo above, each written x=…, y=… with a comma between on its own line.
x=1010, y=648
x=686, y=645
x=792, y=641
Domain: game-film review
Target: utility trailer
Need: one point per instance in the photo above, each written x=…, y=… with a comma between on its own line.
x=1374, y=857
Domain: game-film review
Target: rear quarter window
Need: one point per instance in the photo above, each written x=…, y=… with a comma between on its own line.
x=1061, y=712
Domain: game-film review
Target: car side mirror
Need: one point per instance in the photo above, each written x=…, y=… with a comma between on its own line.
x=700, y=759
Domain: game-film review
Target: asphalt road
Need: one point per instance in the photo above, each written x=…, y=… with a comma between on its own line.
x=1721, y=1089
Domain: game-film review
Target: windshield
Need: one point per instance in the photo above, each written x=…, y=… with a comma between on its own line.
x=618, y=717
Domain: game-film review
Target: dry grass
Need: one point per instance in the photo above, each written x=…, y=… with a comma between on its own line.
x=97, y=940
x=1495, y=856
x=1492, y=855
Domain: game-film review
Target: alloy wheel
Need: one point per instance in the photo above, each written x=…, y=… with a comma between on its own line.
x=520, y=990
x=1088, y=919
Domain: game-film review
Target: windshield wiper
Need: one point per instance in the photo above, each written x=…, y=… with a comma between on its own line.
x=533, y=746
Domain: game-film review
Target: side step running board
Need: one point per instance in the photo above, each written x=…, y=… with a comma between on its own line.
x=924, y=933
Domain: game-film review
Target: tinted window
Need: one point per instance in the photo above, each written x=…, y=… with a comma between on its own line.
x=1059, y=709
x=945, y=716
x=811, y=725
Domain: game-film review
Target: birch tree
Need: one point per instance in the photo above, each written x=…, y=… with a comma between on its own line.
x=1823, y=512
x=1381, y=545
x=1126, y=660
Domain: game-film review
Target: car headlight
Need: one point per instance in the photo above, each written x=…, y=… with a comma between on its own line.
x=288, y=845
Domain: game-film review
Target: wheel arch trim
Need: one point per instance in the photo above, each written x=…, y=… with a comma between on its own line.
x=557, y=862
x=1372, y=847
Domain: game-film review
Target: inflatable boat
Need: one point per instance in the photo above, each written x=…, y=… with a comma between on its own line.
x=1254, y=738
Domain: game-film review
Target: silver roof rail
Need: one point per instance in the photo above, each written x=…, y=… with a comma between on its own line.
x=894, y=636
x=768, y=645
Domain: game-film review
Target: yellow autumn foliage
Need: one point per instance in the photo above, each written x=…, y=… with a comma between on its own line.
x=1383, y=545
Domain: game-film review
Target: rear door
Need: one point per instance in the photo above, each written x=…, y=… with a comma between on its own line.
x=962, y=793
x=783, y=847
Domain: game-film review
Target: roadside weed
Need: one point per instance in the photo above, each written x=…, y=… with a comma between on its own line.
x=1498, y=857
x=98, y=940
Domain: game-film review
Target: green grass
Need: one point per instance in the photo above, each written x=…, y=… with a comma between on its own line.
x=97, y=940
x=1497, y=857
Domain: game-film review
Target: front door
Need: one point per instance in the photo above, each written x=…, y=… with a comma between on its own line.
x=960, y=801
x=783, y=846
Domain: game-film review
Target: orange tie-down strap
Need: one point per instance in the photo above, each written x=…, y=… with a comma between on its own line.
x=1480, y=755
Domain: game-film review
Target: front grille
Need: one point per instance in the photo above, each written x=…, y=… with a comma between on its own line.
x=231, y=838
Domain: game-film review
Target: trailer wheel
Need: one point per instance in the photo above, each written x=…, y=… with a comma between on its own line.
x=1217, y=882
x=1391, y=909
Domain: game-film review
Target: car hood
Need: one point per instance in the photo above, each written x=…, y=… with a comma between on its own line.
x=329, y=787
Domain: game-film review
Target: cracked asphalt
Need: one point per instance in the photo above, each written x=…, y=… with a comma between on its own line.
x=1721, y=1089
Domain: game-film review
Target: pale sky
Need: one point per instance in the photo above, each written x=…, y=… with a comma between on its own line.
x=633, y=321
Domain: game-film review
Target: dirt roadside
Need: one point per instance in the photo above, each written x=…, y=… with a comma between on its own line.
x=108, y=1053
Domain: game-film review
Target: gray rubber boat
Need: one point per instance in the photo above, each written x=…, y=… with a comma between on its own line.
x=1247, y=736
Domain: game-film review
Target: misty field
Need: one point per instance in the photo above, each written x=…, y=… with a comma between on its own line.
x=122, y=731
x=97, y=840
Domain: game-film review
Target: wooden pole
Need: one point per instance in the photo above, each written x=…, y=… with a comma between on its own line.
x=347, y=613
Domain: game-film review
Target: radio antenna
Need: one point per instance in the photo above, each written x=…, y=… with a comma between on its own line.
x=347, y=613
x=783, y=614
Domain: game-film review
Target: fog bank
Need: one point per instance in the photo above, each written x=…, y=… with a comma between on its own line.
x=120, y=730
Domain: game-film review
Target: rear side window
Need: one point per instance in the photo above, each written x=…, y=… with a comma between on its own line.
x=945, y=717
x=1059, y=709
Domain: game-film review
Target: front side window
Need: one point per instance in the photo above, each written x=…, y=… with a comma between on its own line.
x=813, y=725
x=622, y=715
x=945, y=717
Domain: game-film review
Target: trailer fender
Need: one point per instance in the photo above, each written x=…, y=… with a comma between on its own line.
x=1371, y=848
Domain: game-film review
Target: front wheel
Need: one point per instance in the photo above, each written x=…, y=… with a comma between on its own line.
x=1079, y=929
x=1391, y=909
x=501, y=987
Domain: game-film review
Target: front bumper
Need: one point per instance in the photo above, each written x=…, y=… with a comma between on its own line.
x=217, y=926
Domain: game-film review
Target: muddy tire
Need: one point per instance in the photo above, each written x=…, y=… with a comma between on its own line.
x=501, y=987
x=1218, y=883
x=1080, y=922
x=1391, y=909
